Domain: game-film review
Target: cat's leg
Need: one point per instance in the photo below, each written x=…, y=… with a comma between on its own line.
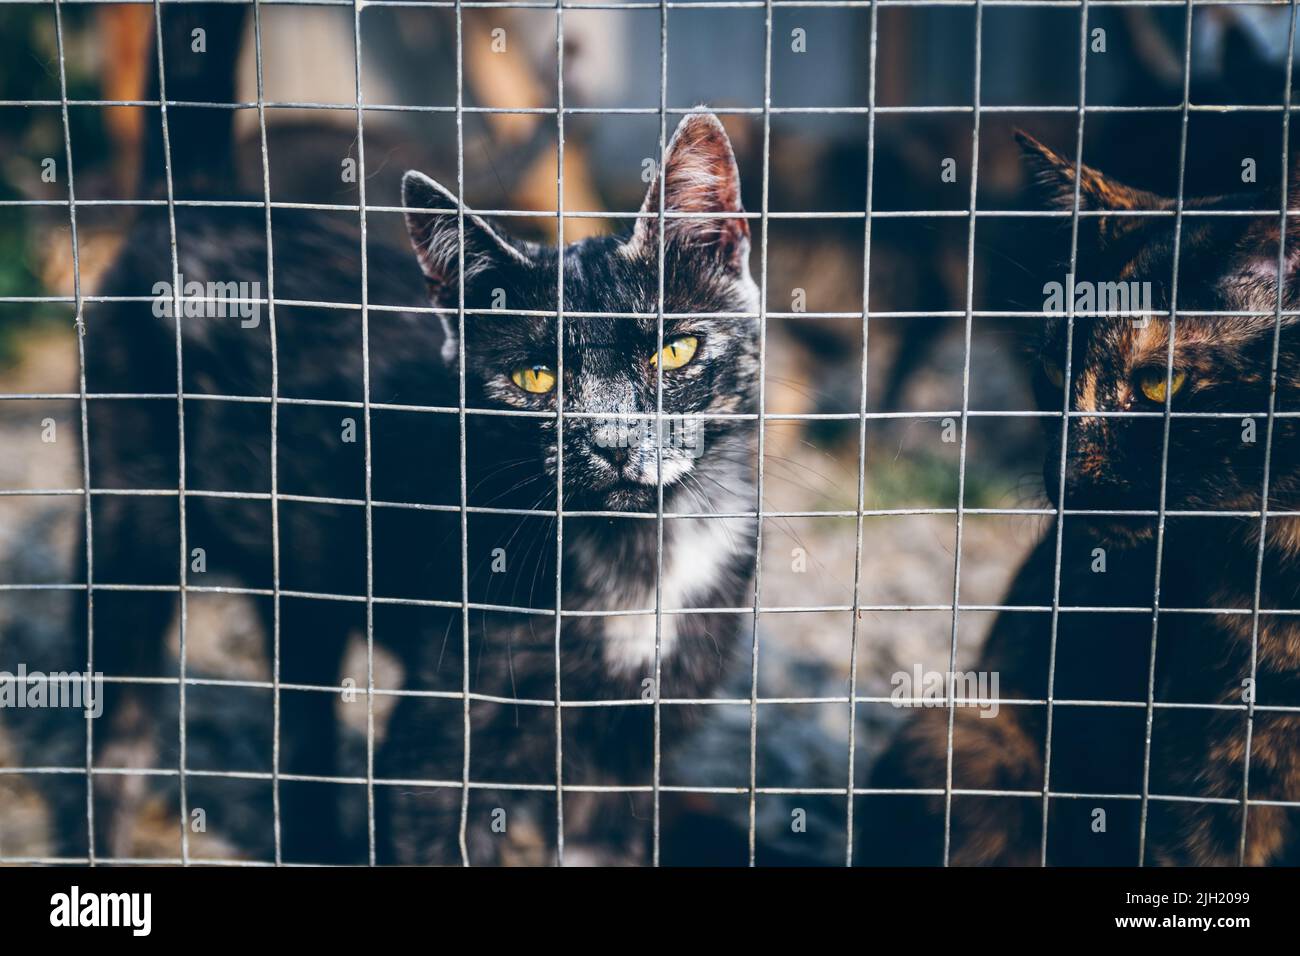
x=130, y=631
x=313, y=636
x=990, y=753
x=1209, y=834
x=416, y=826
x=1275, y=774
x=420, y=824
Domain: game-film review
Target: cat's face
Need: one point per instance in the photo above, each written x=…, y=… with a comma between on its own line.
x=611, y=365
x=1221, y=363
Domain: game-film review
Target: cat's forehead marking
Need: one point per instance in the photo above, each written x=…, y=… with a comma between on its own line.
x=597, y=391
x=1088, y=390
x=1147, y=343
x=1151, y=341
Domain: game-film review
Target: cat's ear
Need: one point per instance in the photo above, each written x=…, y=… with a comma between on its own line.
x=434, y=229
x=1052, y=182
x=699, y=176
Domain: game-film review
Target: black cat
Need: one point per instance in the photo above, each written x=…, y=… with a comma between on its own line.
x=608, y=562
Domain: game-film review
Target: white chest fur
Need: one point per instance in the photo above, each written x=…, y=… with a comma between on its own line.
x=696, y=556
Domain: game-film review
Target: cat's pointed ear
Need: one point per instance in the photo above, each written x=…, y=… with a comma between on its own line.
x=1052, y=181
x=699, y=176
x=434, y=229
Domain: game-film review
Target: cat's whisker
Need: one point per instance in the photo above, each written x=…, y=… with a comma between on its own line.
x=787, y=526
x=484, y=630
x=781, y=462
x=703, y=500
x=510, y=465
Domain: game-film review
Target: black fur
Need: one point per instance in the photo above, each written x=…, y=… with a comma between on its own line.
x=609, y=563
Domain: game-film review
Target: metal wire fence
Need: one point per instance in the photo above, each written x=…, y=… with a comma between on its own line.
x=369, y=504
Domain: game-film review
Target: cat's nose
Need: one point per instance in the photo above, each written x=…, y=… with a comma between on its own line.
x=616, y=455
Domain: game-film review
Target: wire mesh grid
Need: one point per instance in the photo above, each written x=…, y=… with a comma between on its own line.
x=466, y=414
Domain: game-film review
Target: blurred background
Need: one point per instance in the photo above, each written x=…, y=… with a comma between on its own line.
x=818, y=163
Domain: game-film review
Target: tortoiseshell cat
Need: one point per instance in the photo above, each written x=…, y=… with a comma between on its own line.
x=413, y=462
x=1221, y=366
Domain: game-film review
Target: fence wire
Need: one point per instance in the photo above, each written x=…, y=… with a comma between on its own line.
x=963, y=414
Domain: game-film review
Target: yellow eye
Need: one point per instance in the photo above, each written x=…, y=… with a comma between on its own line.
x=538, y=379
x=1054, y=373
x=677, y=352
x=1152, y=383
